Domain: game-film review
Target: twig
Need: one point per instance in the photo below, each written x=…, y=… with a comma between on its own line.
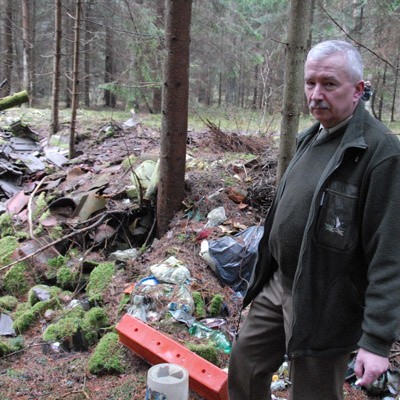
x=30, y=222
x=72, y=234
x=354, y=40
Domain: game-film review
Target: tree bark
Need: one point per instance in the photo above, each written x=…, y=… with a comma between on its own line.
x=8, y=46
x=75, y=79
x=296, y=50
x=174, y=112
x=26, y=54
x=109, y=96
x=55, y=126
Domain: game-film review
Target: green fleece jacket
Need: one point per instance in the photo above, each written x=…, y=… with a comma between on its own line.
x=346, y=290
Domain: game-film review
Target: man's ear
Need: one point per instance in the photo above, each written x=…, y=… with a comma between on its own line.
x=359, y=89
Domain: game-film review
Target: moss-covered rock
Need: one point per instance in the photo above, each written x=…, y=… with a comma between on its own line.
x=207, y=351
x=8, y=244
x=27, y=318
x=6, y=225
x=66, y=277
x=108, y=357
x=93, y=322
x=8, y=303
x=67, y=326
x=99, y=280
x=15, y=281
x=47, y=292
x=24, y=321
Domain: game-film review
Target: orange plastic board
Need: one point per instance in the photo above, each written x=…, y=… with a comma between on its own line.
x=205, y=378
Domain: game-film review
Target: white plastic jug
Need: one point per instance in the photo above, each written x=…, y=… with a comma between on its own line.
x=167, y=382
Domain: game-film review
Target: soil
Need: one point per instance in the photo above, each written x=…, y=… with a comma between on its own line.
x=219, y=174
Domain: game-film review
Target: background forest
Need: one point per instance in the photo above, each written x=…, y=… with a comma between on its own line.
x=237, y=50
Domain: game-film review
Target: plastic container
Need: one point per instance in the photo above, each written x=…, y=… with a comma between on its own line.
x=167, y=382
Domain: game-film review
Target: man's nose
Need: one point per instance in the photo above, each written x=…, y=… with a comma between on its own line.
x=317, y=92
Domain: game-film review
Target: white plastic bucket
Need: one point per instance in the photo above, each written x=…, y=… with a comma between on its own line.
x=167, y=382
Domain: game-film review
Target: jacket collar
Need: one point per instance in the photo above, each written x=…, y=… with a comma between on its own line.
x=353, y=136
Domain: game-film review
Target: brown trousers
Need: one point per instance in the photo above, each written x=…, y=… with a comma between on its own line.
x=260, y=349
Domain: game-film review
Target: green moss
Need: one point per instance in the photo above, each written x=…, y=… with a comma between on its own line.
x=65, y=327
x=99, y=280
x=40, y=205
x=199, y=307
x=27, y=318
x=66, y=278
x=6, y=225
x=93, y=322
x=8, y=244
x=8, y=303
x=40, y=307
x=108, y=357
x=206, y=351
x=21, y=308
x=8, y=346
x=125, y=300
x=54, y=291
x=216, y=305
x=15, y=280
x=23, y=322
x=56, y=232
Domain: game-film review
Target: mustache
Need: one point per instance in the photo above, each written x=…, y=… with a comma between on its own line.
x=318, y=104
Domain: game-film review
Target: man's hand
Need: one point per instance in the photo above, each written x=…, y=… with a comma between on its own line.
x=369, y=367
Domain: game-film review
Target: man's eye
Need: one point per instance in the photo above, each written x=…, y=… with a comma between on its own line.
x=329, y=85
x=310, y=84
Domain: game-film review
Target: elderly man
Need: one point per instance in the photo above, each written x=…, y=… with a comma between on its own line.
x=327, y=279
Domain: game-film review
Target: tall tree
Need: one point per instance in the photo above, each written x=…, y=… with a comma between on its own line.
x=7, y=46
x=109, y=95
x=27, y=45
x=296, y=49
x=56, y=68
x=174, y=112
x=75, y=79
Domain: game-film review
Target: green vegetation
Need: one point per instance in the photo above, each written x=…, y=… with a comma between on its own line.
x=27, y=318
x=6, y=225
x=207, y=351
x=216, y=305
x=15, y=279
x=108, y=357
x=93, y=322
x=65, y=327
x=199, y=306
x=8, y=346
x=8, y=244
x=99, y=280
x=67, y=278
x=8, y=303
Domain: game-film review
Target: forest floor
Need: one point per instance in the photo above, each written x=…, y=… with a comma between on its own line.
x=224, y=169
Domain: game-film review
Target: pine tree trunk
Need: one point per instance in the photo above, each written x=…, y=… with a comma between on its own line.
x=56, y=69
x=75, y=80
x=296, y=50
x=174, y=112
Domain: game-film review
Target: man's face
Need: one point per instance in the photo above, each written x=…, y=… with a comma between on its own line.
x=331, y=96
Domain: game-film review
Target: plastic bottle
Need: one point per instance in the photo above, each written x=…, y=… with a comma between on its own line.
x=218, y=337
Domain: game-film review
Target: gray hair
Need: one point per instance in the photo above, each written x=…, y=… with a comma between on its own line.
x=353, y=58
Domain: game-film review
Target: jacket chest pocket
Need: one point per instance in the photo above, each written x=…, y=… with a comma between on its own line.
x=336, y=224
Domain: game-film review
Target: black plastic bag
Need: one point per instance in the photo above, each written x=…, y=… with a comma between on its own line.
x=234, y=257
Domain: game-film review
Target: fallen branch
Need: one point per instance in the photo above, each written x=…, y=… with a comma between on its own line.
x=14, y=100
x=70, y=235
